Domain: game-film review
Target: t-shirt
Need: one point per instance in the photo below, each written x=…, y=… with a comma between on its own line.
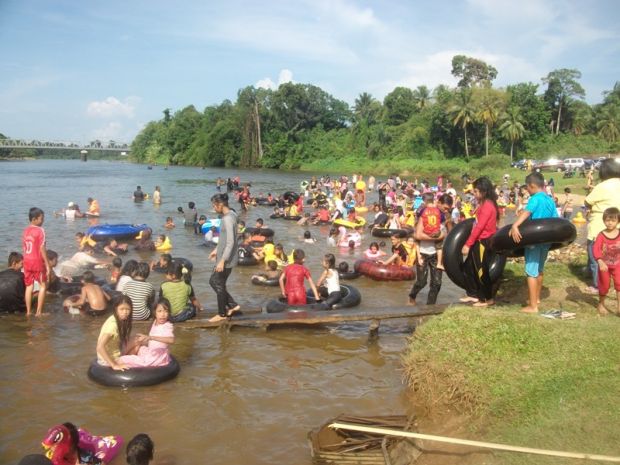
x=602, y=197
x=32, y=240
x=178, y=294
x=138, y=195
x=113, y=346
x=70, y=214
x=122, y=281
x=541, y=205
x=431, y=220
x=607, y=249
x=12, y=291
x=295, y=275
x=140, y=293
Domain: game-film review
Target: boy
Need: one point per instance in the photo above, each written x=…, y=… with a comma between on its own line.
x=539, y=206
x=12, y=287
x=93, y=299
x=190, y=217
x=36, y=265
x=431, y=224
x=399, y=252
x=606, y=251
x=567, y=205
x=294, y=275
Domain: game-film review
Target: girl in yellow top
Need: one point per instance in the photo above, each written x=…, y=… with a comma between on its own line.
x=113, y=339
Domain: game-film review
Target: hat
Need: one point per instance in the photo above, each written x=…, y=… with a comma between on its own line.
x=70, y=204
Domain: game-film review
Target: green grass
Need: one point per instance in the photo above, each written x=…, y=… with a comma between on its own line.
x=525, y=379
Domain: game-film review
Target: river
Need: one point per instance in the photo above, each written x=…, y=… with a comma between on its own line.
x=244, y=397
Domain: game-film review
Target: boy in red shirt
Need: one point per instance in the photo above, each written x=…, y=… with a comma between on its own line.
x=431, y=222
x=36, y=264
x=606, y=251
x=294, y=275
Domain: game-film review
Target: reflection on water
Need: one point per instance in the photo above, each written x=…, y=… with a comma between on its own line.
x=242, y=397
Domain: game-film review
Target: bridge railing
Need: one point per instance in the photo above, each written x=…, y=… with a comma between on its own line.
x=36, y=144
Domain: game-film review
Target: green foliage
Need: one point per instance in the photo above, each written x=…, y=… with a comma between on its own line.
x=472, y=72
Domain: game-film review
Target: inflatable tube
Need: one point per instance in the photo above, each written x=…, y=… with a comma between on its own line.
x=269, y=282
x=350, y=224
x=166, y=245
x=103, y=232
x=104, y=448
x=348, y=275
x=361, y=209
x=186, y=263
x=273, y=216
x=291, y=218
x=557, y=232
x=217, y=222
x=386, y=232
x=453, y=260
x=247, y=260
x=351, y=297
x=265, y=232
x=147, y=376
x=266, y=203
x=380, y=272
x=290, y=195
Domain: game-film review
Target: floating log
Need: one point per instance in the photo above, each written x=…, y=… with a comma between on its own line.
x=308, y=317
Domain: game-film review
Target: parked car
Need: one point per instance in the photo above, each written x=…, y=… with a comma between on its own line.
x=553, y=164
x=574, y=164
x=521, y=164
x=597, y=162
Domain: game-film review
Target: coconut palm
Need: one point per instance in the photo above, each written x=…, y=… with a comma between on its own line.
x=422, y=97
x=463, y=113
x=363, y=106
x=512, y=127
x=608, y=123
x=489, y=106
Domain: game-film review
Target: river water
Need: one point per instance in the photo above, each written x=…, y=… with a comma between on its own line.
x=244, y=397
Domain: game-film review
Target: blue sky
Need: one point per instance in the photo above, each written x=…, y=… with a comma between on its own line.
x=80, y=70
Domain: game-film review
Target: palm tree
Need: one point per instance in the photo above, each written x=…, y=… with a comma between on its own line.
x=463, y=113
x=488, y=113
x=363, y=106
x=608, y=123
x=422, y=97
x=512, y=127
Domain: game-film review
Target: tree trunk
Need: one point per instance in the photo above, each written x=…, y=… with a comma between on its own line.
x=260, y=145
x=466, y=148
x=486, y=142
x=512, y=144
x=557, y=126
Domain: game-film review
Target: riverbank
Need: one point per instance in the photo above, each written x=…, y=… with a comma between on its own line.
x=521, y=379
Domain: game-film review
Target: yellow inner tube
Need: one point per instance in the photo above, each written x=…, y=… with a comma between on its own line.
x=361, y=209
x=350, y=224
x=166, y=245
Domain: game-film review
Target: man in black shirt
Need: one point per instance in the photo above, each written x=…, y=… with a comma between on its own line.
x=138, y=195
x=12, y=287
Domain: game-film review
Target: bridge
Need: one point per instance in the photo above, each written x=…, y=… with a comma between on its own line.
x=64, y=145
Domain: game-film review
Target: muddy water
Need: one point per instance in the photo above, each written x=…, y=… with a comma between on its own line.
x=245, y=397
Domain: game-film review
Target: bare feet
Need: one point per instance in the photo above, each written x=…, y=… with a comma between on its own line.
x=468, y=299
x=602, y=310
x=529, y=309
x=486, y=303
x=440, y=267
x=232, y=311
x=217, y=319
x=590, y=290
x=411, y=302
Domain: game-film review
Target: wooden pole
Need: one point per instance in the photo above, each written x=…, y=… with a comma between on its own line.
x=466, y=442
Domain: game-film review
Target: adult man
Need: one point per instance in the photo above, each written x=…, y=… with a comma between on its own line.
x=225, y=256
x=138, y=195
x=12, y=287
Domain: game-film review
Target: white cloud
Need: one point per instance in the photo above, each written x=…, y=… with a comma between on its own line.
x=111, y=131
x=112, y=107
x=286, y=75
x=346, y=13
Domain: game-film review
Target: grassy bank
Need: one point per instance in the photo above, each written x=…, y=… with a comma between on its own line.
x=524, y=379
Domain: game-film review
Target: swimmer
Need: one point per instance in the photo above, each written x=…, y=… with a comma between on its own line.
x=92, y=299
x=308, y=239
x=374, y=252
x=169, y=223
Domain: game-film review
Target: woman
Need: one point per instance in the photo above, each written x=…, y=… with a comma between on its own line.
x=604, y=195
x=225, y=256
x=478, y=283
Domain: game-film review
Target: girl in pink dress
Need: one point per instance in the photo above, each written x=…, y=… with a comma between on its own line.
x=152, y=350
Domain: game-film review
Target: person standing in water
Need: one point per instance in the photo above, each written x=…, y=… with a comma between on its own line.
x=157, y=196
x=36, y=265
x=225, y=256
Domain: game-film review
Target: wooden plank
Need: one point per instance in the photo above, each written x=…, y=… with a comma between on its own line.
x=316, y=317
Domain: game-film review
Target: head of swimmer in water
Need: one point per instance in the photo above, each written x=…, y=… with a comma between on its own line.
x=36, y=216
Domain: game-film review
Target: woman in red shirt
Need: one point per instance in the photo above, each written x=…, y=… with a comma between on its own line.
x=478, y=283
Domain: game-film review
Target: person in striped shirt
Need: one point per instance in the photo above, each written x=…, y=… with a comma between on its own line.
x=141, y=293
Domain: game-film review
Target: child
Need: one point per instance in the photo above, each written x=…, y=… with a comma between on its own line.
x=161, y=266
x=163, y=243
x=126, y=274
x=331, y=279
x=93, y=300
x=294, y=276
x=431, y=224
x=539, y=206
x=308, y=239
x=399, y=253
x=169, y=223
x=180, y=294
x=606, y=251
x=13, y=289
x=84, y=241
x=190, y=216
x=36, y=264
x=271, y=272
x=142, y=293
x=152, y=350
x=212, y=237
x=478, y=283
x=114, y=336
x=140, y=449
x=115, y=271
x=374, y=252
x=567, y=204
x=332, y=239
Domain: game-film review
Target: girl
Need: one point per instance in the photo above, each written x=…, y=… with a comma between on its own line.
x=114, y=336
x=152, y=350
x=126, y=274
x=141, y=292
x=374, y=252
x=169, y=223
x=332, y=240
x=308, y=239
x=479, y=287
x=331, y=280
x=180, y=294
x=163, y=243
x=606, y=251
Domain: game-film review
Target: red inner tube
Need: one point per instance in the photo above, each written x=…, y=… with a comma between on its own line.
x=380, y=272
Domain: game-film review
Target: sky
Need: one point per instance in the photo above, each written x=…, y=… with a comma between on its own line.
x=80, y=70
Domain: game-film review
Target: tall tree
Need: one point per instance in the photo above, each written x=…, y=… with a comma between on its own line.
x=562, y=86
x=489, y=103
x=399, y=105
x=608, y=123
x=422, y=97
x=512, y=127
x=463, y=113
x=472, y=72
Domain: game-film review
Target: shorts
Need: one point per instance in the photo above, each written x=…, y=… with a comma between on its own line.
x=535, y=257
x=439, y=245
x=30, y=277
x=296, y=296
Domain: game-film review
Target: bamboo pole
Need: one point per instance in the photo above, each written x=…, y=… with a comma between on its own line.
x=466, y=442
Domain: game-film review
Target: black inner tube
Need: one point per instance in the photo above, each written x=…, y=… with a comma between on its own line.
x=147, y=376
x=557, y=232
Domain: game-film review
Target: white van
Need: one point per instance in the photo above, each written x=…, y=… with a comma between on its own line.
x=574, y=163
